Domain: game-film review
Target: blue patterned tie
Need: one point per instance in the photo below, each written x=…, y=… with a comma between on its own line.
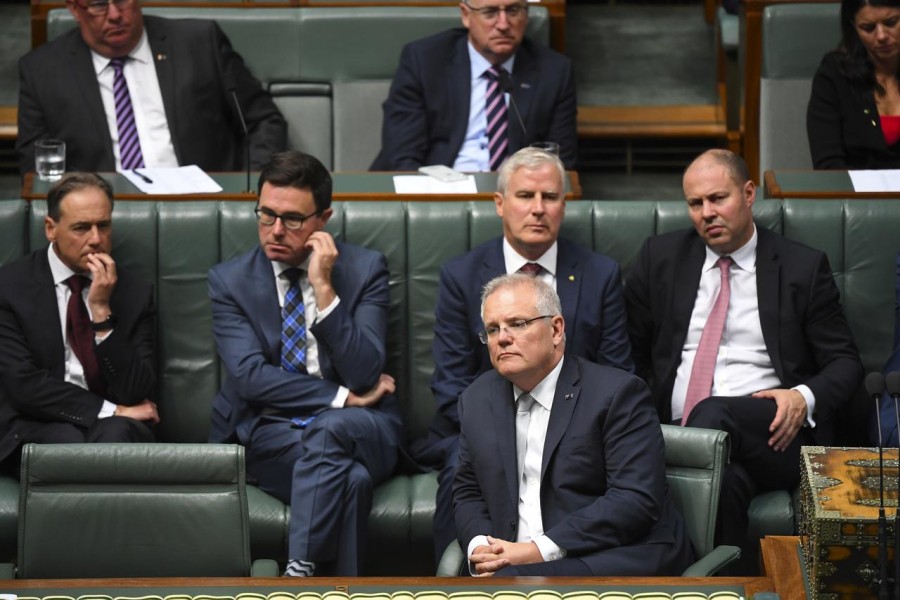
x=495, y=109
x=130, y=153
x=293, y=326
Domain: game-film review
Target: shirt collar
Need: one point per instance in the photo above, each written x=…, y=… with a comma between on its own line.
x=279, y=267
x=60, y=271
x=480, y=64
x=140, y=53
x=544, y=391
x=744, y=257
x=514, y=261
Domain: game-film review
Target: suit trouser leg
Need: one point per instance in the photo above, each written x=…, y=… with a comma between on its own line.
x=444, y=525
x=754, y=466
x=326, y=473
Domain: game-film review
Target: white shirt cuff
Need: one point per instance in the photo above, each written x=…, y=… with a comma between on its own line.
x=548, y=548
x=478, y=540
x=340, y=399
x=810, y=402
x=321, y=314
x=107, y=410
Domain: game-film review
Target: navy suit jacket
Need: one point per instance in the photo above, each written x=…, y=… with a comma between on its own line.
x=197, y=68
x=33, y=391
x=247, y=329
x=603, y=482
x=806, y=334
x=589, y=285
x=426, y=113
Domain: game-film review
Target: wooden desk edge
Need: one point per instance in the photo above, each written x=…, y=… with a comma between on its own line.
x=782, y=564
x=751, y=585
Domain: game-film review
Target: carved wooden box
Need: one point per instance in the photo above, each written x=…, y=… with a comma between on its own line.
x=839, y=500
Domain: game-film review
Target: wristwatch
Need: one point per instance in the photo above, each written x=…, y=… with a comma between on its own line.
x=106, y=325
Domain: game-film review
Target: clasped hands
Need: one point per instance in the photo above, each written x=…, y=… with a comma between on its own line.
x=486, y=560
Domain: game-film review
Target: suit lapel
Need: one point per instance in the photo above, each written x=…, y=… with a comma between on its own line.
x=524, y=78
x=503, y=412
x=568, y=286
x=687, y=282
x=45, y=308
x=564, y=401
x=84, y=75
x=768, y=274
x=264, y=296
x=493, y=264
x=164, y=60
x=459, y=81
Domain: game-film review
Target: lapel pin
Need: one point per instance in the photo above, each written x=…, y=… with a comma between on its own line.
x=161, y=57
x=569, y=396
x=571, y=278
x=525, y=86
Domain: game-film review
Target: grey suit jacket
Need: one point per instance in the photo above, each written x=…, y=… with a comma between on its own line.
x=197, y=69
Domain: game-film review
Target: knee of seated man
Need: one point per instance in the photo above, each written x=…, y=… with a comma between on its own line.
x=712, y=413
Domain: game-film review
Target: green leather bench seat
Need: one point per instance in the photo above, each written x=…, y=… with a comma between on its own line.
x=174, y=244
x=329, y=69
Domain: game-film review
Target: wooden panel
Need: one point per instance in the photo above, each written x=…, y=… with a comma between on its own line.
x=9, y=127
x=652, y=121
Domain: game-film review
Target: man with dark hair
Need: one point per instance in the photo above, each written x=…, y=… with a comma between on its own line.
x=740, y=329
x=300, y=323
x=561, y=460
x=127, y=91
x=76, y=334
x=471, y=96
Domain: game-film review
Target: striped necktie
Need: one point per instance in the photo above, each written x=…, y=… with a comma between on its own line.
x=497, y=121
x=130, y=153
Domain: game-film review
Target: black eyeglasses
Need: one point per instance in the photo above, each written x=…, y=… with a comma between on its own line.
x=290, y=221
x=491, y=13
x=511, y=328
x=101, y=7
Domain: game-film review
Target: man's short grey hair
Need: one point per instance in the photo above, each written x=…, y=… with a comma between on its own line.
x=547, y=300
x=529, y=158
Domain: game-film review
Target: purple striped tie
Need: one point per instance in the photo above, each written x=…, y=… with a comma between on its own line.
x=129, y=143
x=495, y=105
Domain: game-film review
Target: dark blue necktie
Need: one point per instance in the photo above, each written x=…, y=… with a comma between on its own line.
x=293, y=326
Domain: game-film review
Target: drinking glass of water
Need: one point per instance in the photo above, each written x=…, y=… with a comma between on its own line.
x=50, y=159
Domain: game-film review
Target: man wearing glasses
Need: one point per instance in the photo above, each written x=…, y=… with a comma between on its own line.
x=530, y=202
x=125, y=91
x=469, y=97
x=561, y=461
x=300, y=324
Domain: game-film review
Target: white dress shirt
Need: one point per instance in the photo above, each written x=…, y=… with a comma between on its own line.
x=474, y=154
x=515, y=261
x=531, y=526
x=146, y=101
x=74, y=372
x=743, y=365
x=312, y=314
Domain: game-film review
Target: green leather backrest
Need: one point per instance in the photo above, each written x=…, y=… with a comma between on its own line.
x=174, y=244
x=795, y=37
x=133, y=510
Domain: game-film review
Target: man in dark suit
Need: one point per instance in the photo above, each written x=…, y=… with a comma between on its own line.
x=438, y=107
x=76, y=332
x=181, y=78
x=300, y=324
x=561, y=461
x=531, y=203
x=780, y=363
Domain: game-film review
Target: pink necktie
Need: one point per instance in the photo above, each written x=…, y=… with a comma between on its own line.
x=700, y=384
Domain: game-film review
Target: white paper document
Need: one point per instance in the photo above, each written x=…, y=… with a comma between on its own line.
x=423, y=184
x=884, y=180
x=172, y=180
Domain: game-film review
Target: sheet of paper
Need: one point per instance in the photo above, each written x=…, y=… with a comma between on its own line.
x=423, y=184
x=173, y=180
x=884, y=180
